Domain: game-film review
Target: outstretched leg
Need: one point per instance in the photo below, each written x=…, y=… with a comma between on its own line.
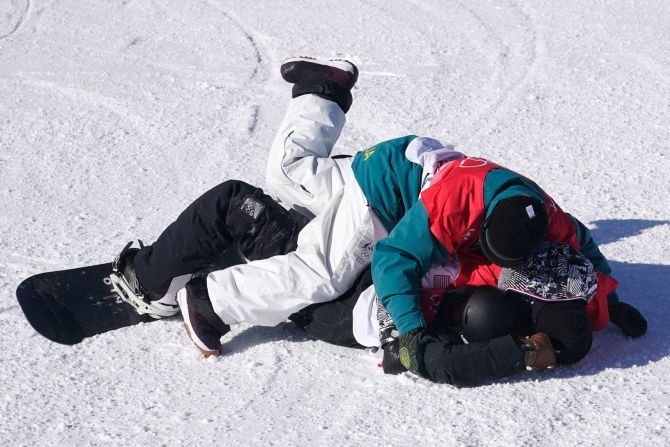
x=332, y=250
x=231, y=222
x=233, y=216
x=300, y=172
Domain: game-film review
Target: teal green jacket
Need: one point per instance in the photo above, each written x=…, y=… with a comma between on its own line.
x=390, y=182
x=405, y=256
x=392, y=185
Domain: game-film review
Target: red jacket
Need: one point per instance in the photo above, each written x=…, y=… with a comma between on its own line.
x=456, y=211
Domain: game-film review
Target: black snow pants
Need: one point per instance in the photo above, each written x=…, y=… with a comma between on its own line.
x=228, y=225
x=448, y=360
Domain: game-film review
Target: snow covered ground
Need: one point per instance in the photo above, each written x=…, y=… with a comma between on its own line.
x=116, y=114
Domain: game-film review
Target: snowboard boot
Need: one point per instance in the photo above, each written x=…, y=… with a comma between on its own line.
x=128, y=287
x=202, y=324
x=330, y=79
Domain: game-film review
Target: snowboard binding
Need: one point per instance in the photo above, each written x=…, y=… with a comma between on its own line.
x=124, y=291
x=127, y=287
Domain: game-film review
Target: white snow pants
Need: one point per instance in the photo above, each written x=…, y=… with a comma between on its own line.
x=300, y=173
x=332, y=249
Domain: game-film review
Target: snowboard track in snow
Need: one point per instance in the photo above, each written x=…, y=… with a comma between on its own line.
x=260, y=64
x=514, y=54
x=19, y=23
x=120, y=110
x=261, y=70
x=510, y=86
x=26, y=261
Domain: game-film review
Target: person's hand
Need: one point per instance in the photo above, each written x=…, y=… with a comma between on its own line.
x=629, y=319
x=538, y=352
x=391, y=361
x=411, y=350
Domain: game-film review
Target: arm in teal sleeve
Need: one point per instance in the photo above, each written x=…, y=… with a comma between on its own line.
x=400, y=261
x=589, y=248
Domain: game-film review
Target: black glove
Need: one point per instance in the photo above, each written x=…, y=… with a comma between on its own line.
x=411, y=350
x=629, y=319
x=391, y=361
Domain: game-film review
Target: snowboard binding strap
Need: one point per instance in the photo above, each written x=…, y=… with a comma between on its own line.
x=124, y=291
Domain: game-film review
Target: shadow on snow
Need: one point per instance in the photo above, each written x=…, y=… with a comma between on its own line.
x=642, y=285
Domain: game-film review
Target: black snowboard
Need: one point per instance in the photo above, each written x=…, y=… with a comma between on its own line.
x=68, y=306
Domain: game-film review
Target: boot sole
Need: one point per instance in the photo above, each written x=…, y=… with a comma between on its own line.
x=306, y=68
x=204, y=350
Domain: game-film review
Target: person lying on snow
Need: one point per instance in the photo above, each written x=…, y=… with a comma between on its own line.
x=477, y=333
x=338, y=208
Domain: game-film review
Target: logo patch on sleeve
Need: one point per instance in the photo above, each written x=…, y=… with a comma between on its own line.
x=368, y=153
x=365, y=252
x=252, y=207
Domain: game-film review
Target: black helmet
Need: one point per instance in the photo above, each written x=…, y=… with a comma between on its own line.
x=487, y=314
x=513, y=230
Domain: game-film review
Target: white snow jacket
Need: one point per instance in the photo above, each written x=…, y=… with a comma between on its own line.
x=335, y=246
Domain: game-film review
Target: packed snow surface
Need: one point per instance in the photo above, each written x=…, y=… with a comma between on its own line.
x=115, y=114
